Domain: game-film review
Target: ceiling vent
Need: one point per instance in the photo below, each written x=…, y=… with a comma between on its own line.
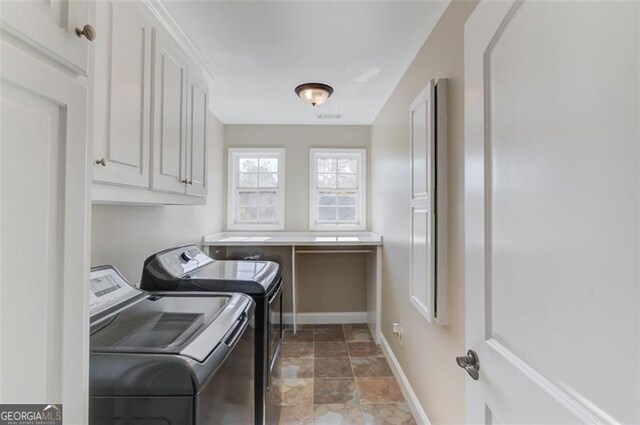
x=328, y=116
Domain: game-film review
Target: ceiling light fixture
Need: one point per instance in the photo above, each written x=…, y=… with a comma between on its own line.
x=314, y=93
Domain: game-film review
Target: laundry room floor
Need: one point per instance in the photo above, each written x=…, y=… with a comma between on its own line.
x=337, y=375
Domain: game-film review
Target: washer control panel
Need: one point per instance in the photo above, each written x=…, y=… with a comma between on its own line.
x=181, y=261
x=108, y=288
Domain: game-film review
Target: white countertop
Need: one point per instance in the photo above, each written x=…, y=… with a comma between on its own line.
x=293, y=239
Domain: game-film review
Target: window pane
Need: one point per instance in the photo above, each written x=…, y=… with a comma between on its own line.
x=268, y=165
x=268, y=180
x=347, y=214
x=327, y=199
x=346, y=200
x=248, y=165
x=247, y=198
x=327, y=180
x=247, y=180
x=267, y=214
x=268, y=198
x=327, y=213
x=347, y=166
x=326, y=165
x=347, y=181
x=247, y=213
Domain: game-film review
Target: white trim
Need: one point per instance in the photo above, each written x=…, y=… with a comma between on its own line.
x=326, y=318
x=412, y=400
x=361, y=155
x=232, y=154
x=171, y=25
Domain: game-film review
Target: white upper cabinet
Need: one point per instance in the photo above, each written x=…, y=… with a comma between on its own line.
x=169, y=114
x=197, y=135
x=50, y=27
x=122, y=95
x=150, y=105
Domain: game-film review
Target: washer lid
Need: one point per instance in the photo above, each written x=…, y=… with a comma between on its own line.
x=187, y=268
x=191, y=326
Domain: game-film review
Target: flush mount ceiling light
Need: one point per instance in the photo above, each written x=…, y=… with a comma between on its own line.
x=314, y=93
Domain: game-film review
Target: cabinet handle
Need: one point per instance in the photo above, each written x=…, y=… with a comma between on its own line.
x=190, y=182
x=87, y=31
x=101, y=161
x=183, y=181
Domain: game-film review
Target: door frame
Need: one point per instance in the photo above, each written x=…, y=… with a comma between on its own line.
x=22, y=70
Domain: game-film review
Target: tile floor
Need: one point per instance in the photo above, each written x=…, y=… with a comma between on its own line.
x=336, y=375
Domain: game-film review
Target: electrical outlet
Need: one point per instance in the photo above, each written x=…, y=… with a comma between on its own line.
x=397, y=331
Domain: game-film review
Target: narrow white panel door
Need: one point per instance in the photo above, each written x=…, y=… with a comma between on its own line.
x=122, y=95
x=50, y=26
x=169, y=114
x=44, y=249
x=422, y=273
x=197, y=135
x=552, y=211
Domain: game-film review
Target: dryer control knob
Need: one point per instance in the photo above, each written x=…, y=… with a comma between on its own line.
x=186, y=257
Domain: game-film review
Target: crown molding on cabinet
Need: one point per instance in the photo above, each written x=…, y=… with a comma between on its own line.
x=171, y=25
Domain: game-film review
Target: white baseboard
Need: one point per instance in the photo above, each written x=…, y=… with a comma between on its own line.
x=412, y=400
x=324, y=318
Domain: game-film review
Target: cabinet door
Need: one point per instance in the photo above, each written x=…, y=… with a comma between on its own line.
x=169, y=114
x=422, y=271
x=197, y=135
x=50, y=27
x=121, y=100
x=44, y=350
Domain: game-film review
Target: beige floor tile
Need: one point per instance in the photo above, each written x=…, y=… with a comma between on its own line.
x=331, y=349
x=335, y=391
x=293, y=392
x=364, y=349
x=387, y=414
x=296, y=415
x=379, y=390
x=295, y=368
x=337, y=414
x=333, y=367
x=370, y=367
x=296, y=350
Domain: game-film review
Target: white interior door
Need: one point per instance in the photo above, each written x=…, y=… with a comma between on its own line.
x=44, y=249
x=552, y=211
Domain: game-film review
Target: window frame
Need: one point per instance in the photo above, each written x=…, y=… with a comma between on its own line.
x=361, y=212
x=233, y=155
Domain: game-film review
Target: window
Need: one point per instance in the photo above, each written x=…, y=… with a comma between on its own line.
x=255, y=196
x=337, y=189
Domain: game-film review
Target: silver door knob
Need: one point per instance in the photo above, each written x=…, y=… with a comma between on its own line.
x=101, y=161
x=470, y=363
x=87, y=32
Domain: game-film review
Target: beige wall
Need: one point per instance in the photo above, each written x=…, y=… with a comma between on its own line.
x=428, y=352
x=125, y=235
x=342, y=285
x=296, y=139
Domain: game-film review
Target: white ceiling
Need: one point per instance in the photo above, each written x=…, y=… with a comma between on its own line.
x=260, y=51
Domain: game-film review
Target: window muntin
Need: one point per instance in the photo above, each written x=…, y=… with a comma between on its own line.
x=337, y=189
x=256, y=191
